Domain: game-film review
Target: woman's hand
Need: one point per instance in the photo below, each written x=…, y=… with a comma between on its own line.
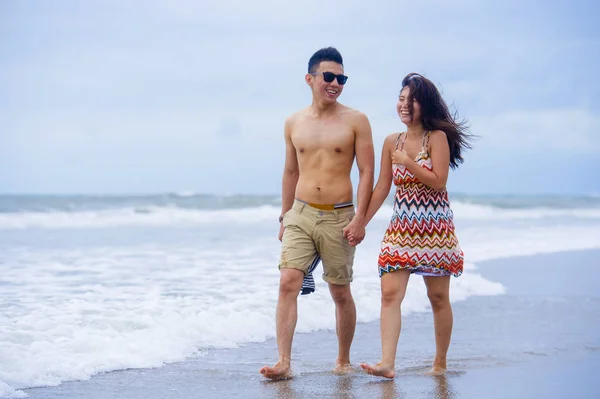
x=400, y=157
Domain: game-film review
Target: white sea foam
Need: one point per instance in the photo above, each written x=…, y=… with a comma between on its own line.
x=467, y=211
x=146, y=216
x=167, y=216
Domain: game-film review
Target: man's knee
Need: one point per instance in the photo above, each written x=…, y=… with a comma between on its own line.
x=290, y=281
x=341, y=294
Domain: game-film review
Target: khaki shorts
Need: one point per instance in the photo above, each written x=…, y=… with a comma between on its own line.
x=310, y=233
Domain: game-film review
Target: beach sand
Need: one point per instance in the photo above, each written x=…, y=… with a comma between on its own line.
x=541, y=339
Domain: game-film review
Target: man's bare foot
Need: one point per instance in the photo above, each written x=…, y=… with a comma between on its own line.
x=379, y=370
x=437, y=370
x=341, y=369
x=281, y=371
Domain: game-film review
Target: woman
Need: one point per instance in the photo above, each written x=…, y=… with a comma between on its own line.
x=420, y=238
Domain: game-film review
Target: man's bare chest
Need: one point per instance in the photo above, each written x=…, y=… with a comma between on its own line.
x=335, y=138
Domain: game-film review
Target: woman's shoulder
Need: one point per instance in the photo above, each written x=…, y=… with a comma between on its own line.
x=437, y=135
x=437, y=139
x=391, y=139
x=393, y=136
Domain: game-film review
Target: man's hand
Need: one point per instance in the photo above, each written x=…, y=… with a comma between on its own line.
x=354, y=232
x=400, y=157
x=281, y=230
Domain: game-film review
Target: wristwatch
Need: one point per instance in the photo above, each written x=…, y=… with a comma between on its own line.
x=280, y=218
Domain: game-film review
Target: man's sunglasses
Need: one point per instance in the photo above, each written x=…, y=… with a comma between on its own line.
x=329, y=76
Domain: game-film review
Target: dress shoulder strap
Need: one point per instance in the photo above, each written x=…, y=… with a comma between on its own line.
x=425, y=142
x=398, y=140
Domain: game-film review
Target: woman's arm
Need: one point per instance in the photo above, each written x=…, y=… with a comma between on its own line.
x=384, y=182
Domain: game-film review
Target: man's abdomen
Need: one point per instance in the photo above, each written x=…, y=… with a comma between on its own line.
x=324, y=190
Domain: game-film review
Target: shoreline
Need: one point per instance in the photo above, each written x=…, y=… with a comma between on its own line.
x=502, y=345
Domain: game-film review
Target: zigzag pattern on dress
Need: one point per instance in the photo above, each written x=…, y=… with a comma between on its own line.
x=420, y=236
x=405, y=258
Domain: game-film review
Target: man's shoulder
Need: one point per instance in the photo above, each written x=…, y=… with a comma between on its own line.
x=354, y=118
x=296, y=116
x=352, y=112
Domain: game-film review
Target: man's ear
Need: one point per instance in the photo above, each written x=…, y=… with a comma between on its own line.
x=309, y=79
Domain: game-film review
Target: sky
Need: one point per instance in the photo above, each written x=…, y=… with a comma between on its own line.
x=149, y=96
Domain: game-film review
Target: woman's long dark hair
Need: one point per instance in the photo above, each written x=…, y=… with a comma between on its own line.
x=436, y=115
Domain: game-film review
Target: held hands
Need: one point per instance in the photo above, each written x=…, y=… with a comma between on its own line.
x=354, y=232
x=400, y=157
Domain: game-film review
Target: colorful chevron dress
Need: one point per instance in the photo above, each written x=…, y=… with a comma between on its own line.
x=420, y=236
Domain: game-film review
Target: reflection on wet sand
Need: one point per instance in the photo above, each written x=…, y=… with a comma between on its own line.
x=388, y=390
x=442, y=389
x=347, y=387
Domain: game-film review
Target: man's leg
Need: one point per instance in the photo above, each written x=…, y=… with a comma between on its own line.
x=338, y=258
x=290, y=283
x=298, y=252
x=345, y=317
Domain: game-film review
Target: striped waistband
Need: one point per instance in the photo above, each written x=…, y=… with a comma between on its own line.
x=328, y=207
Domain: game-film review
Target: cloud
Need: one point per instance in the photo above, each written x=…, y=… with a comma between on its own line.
x=159, y=87
x=569, y=130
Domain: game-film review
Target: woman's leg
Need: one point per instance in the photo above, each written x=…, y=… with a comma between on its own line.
x=393, y=289
x=438, y=291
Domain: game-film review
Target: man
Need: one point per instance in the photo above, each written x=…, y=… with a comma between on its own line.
x=318, y=220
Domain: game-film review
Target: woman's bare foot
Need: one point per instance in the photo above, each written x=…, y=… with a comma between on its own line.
x=281, y=370
x=379, y=370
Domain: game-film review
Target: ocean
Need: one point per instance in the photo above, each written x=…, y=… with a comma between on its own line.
x=91, y=284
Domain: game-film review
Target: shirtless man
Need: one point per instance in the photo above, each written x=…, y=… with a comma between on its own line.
x=318, y=219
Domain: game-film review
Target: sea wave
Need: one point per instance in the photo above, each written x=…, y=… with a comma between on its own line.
x=174, y=215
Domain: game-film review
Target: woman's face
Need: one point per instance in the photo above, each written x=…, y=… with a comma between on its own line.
x=407, y=116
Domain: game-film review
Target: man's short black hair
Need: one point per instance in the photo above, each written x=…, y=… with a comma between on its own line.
x=324, y=54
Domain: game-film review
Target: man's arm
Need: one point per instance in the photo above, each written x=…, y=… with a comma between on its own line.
x=290, y=170
x=365, y=160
